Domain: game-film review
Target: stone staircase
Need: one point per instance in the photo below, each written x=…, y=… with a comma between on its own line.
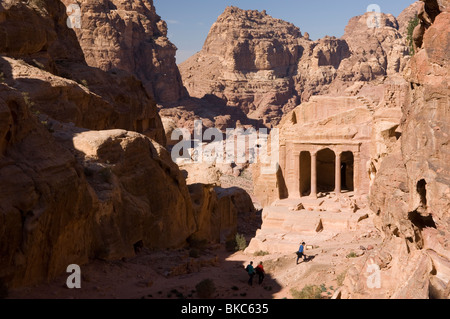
x=371, y=106
x=286, y=223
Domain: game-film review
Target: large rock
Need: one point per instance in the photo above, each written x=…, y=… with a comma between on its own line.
x=248, y=60
x=130, y=36
x=46, y=206
x=70, y=194
x=46, y=63
x=216, y=211
x=142, y=192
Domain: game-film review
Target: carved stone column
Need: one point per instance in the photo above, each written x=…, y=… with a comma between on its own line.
x=314, y=174
x=356, y=173
x=296, y=187
x=337, y=175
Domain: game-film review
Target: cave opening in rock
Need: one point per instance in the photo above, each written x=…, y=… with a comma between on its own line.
x=138, y=246
x=305, y=173
x=422, y=191
x=326, y=160
x=421, y=221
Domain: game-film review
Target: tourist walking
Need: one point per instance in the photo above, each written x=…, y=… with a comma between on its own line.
x=260, y=272
x=251, y=272
x=300, y=252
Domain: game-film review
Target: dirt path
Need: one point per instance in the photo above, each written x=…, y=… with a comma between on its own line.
x=174, y=274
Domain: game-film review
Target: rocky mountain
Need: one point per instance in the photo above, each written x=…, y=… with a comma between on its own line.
x=265, y=66
x=130, y=36
x=83, y=169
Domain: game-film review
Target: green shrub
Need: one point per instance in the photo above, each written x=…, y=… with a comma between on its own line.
x=27, y=99
x=205, y=289
x=241, y=242
x=352, y=255
x=413, y=23
x=194, y=253
x=308, y=292
x=261, y=253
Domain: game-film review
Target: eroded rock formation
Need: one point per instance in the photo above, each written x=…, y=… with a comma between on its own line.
x=77, y=181
x=265, y=67
x=410, y=193
x=47, y=65
x=130, y=36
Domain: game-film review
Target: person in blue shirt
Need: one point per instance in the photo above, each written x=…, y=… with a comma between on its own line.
x=301, y=253
x=251, y=272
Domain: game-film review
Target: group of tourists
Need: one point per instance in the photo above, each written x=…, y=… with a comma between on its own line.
x=259, y=270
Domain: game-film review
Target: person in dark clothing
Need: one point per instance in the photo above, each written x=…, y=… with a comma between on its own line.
x=260, y=272
x=251, y=272
x=300, y=252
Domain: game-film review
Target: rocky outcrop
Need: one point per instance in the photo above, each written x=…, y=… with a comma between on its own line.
x=247, y=60
x=71, y=190
x=46, y=63
x=46, y=206
x=410, y=190
x=130, y=36
x=69, y=194
x=265, y=66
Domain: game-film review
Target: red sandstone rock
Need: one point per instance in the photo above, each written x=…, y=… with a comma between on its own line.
x=265, y=67
x=130, y=36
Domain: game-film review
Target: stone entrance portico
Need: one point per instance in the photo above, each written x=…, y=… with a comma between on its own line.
x=313, y=167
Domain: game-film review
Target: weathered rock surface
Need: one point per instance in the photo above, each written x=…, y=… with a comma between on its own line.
x=216, y=211
x=46, y=206
x=410, y=192
x=48, y=66
x=71, y=193
x=130, y=36
x=81, y=194
x=265, y=67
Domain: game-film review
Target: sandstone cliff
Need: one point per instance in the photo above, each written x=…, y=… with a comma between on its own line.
x=77, y=181
x=130, y=36
x=410, y=190
x=265, y=66
x=49, y=68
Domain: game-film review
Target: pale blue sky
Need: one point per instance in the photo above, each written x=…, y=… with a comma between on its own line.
x=189, y=21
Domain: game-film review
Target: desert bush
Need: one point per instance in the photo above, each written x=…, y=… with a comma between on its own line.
x=308, y=292
x=194, y=253
x=205, y=289
x=241, y=242
x=352, y=255
x=413, y=23
x=340, y=278
x=261, y=253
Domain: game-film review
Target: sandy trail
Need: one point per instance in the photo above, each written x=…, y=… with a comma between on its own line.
x=173, y=274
